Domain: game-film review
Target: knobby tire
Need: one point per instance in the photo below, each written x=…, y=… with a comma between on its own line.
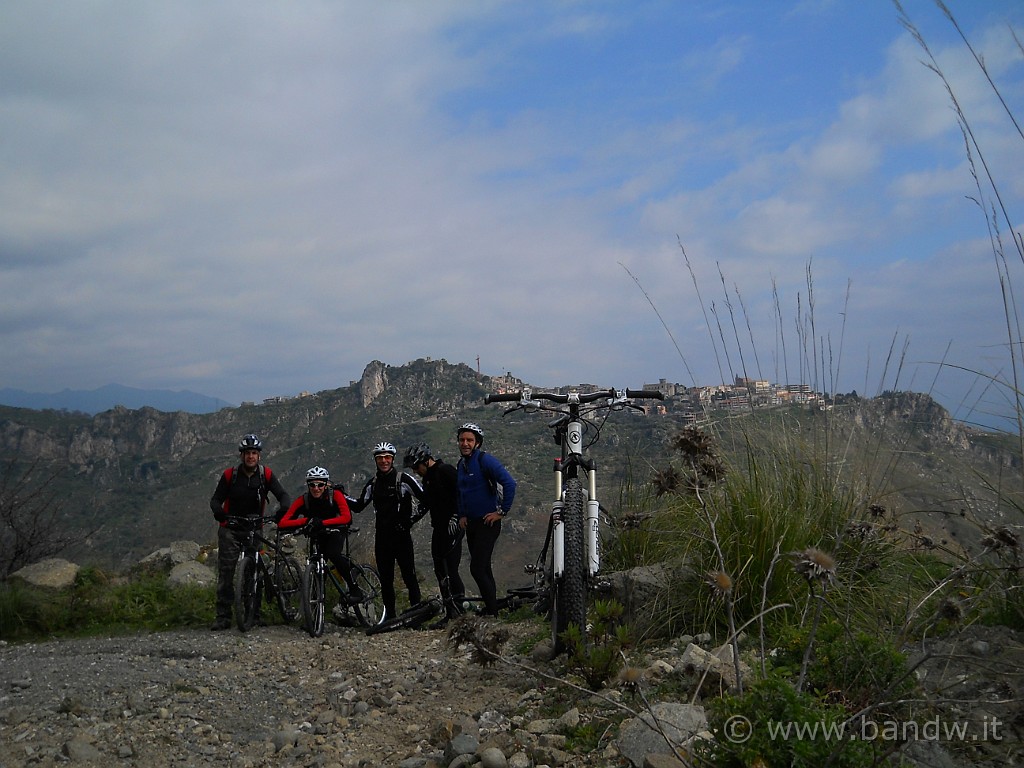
x=288, y=587
x=247, y=593
x=313, y=600
x=569, y=604
x=370, y=612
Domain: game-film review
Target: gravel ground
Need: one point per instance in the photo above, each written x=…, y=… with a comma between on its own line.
x=270, y=696
x=275, y=696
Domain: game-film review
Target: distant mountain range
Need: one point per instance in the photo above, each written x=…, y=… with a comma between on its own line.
x=104, y=398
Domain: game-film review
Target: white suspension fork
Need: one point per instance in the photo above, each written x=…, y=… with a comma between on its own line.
x=593, y=525
x=558, y=530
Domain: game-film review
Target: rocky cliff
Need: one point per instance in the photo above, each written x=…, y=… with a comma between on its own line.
x=136, y=479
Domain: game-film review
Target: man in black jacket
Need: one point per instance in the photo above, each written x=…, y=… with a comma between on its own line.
x=441, y=498
x=396, y=498
x=238, y=504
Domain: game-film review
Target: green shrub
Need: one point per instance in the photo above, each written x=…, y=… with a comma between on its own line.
x=598, y=657
x=773, y=725
x=95, y=604
x=850, y=667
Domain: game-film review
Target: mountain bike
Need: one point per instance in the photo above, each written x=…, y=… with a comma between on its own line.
x=368, y=612
x=570, y=560
x=266, y=569
x=417, y=615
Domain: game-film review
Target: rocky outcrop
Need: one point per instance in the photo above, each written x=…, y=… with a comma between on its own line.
x=51, y=573
x=166, y=559
x=372, y=383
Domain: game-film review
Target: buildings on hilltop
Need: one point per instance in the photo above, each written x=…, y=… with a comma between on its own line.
x=695, y=404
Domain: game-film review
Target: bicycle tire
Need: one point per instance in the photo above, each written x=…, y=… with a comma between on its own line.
x=247, y=593
x=370, y=612
x=313, y=600
x=410, y=619
x=288, y=588
x=569, y=604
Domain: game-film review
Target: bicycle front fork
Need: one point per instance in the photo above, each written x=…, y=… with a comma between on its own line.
x=591, y=527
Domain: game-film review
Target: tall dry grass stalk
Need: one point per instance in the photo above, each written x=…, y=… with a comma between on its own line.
x=992, y=204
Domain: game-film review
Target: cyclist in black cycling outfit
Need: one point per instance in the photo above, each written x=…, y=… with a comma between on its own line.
x=396, y=498
x=442, y=500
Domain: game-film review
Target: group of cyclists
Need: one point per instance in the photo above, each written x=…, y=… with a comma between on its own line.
x=466, y=501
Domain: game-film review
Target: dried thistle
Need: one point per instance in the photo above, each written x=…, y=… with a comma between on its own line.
x=630, y=678
x=861, y=529
x=877, y=510
x=485, y=639
x=1001, y=537
x=950, y=610
x=667, y=481
x=720, y=582
x=1007, y=537
x=692, y=442
x=699, y=455
x=815, y=565
x=633, y=520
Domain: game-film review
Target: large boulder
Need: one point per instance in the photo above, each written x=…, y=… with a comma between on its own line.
x=191, y=572
x=646, y=735
x=644, y=592
x=165, y=559
x=51, y=573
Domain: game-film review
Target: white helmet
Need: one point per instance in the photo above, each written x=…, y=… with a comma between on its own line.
x=475, y=429
x=382, y=448
x=318, y=473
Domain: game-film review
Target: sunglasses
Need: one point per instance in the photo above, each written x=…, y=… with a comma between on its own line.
x=317, y=485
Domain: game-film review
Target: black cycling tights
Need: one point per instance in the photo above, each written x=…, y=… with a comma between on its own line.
x=392, y=547
x=481, y=538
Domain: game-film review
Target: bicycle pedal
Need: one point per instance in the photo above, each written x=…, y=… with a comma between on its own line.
x=603, y=586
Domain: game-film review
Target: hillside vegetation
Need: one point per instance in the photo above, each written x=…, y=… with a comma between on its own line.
x=837, y=559
x=134, y=480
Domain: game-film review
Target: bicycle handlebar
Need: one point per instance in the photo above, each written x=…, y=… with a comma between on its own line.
x=503, y=397
x=585, y=397
x=650, y=394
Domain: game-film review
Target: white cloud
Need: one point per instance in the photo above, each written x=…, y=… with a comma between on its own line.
x=344, y=182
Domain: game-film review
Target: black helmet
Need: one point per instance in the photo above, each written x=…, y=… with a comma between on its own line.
x=250, y=442
x=418, y=454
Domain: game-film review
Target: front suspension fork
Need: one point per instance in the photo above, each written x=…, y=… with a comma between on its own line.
x=592, y=524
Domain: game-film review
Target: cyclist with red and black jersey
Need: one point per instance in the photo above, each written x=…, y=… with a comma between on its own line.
x=324, y=512
x=238, y=504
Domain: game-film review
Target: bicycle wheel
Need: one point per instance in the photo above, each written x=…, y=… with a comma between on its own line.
x=247, y=593
x=313, y=599
x=569, y=604
x=410, y=619
x=370, y=612
x=288, y=587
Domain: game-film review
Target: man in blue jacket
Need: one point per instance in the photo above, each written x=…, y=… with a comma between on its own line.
x=482, y=507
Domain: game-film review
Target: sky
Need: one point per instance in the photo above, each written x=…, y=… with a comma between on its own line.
x=252, y=199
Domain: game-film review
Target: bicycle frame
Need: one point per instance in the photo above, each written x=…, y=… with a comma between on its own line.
x=314, y=581
x=574, y=527
x=573, y=461
x=258, y=575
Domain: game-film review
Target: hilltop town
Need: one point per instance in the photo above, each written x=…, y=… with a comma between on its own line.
x=694, y=404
